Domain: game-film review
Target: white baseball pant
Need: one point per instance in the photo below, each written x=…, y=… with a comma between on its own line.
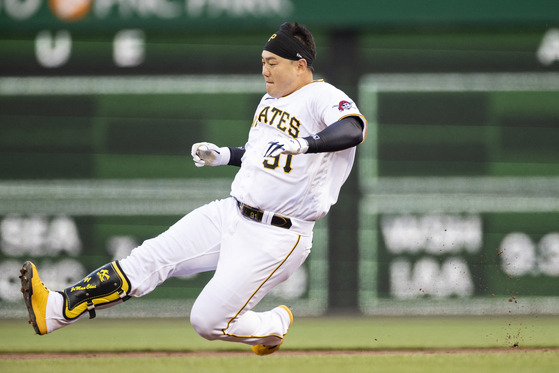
x=249, y=259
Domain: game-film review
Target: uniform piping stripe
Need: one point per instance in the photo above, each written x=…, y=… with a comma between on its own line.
x=256, y=291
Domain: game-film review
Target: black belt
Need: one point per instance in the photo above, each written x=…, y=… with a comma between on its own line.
x=255, y=214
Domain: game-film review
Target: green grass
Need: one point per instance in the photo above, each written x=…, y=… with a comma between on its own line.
x=536, y=362
x=395, y=345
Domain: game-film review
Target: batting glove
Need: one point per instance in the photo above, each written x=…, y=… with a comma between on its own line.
x=208, y=154
x=286, y=146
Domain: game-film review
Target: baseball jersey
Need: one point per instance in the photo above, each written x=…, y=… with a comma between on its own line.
x=302, y=186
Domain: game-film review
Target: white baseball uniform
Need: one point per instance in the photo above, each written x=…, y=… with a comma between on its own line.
x=249, y=257
x=301, y=186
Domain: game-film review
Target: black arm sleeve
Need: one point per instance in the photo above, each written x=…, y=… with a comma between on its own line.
x=343, y=134
x=236, y=155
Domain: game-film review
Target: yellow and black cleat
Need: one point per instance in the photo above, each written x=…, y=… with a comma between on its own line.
x=35, y=295
x=267, y=350
x=103, y=286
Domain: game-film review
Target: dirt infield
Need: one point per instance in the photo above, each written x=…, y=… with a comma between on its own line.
x=55, y=355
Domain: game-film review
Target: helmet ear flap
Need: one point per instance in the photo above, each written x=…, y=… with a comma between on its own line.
x=104, y=286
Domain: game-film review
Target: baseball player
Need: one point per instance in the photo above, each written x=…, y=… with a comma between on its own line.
x=300, y=150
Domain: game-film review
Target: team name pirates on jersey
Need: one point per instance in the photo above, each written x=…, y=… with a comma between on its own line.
x=280, y=119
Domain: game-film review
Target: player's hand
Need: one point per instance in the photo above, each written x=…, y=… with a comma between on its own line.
x=208, y=154
x=286, y=146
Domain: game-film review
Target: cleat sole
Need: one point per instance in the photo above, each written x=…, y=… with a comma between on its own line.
x=26, y=276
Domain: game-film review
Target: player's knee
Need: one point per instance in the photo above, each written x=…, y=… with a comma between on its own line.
x=204, y=326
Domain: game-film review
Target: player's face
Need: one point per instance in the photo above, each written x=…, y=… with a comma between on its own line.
x=282, y=76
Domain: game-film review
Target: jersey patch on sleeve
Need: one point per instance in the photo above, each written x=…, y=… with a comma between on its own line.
x=344, y=105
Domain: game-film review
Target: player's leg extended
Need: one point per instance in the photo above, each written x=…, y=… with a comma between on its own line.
x=192, y=245
x=50, y=310
x=189, y=246
x=254, y=259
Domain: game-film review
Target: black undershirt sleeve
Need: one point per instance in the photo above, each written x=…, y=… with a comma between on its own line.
x=236, y=155
x=343, y=134
x=340, y=135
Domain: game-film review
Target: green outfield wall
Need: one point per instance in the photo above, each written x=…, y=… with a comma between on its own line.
x=452, y=206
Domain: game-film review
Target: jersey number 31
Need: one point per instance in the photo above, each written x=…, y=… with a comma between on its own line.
x=276, y=161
